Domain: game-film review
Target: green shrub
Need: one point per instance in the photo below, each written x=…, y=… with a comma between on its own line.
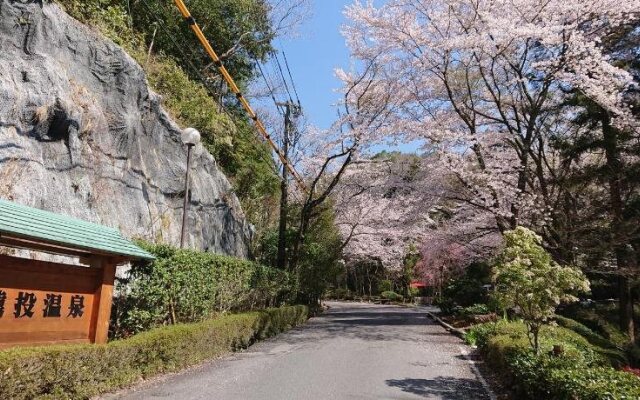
x=477, y=335
x=602, y=319
x=529, y=281
x=182, y=286
x=339, y=294
x=608, y=349
x=385, y=285
x=549, y=377
x=389, y=295
x=447, y=306
x=465, y=292
x=84, y=371
x=582, y=371
x=476, y=309
x=469, y=288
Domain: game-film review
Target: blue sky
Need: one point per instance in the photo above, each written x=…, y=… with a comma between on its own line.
x=313, y=58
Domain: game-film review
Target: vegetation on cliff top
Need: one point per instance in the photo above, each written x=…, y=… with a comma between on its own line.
x=192, y=94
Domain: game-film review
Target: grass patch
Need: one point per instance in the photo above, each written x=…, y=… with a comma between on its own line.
x=84, y=371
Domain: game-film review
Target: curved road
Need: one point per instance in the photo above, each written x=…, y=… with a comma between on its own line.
x=353, y=351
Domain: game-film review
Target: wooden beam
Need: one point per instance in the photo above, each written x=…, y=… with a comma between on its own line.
x=99, y=332
x=52, y=248
x=22, y=243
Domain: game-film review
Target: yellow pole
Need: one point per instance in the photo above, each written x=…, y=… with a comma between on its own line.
x=234, y=88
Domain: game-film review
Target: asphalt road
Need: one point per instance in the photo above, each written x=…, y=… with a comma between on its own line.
x=354, y=351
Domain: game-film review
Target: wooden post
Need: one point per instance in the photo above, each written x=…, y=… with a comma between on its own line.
x=103, y=296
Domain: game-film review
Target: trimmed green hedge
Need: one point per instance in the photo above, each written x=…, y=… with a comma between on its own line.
x=582, y=372
x=185, y=286
x=83, y=371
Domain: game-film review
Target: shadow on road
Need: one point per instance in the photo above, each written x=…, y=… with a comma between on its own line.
x=445, y=388
x=398, y=323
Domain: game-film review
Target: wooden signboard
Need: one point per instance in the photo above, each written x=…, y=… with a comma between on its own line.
x=43, y=302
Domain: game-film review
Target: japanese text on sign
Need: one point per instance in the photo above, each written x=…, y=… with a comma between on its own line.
x=25, y=305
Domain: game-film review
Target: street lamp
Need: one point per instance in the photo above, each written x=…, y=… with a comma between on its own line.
x=190, y=137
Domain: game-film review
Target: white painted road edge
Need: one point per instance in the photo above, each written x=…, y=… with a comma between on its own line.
x=465, y=354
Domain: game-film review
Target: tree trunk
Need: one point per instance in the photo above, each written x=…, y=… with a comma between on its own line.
x=620, y=240
x=625, y=308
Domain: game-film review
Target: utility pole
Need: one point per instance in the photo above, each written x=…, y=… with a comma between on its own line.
x=291, y=109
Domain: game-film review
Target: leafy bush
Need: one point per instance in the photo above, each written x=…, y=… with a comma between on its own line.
x=465, y=292
x=447, y=306
x=476, y=309
x=84, y=371
x=529, y=281
x=601, y=318
x=389, y=295
x=549, y=377
x=188, y=286
x=385, y=285
x=609, y=349
x=339, y=294
x=582, y=371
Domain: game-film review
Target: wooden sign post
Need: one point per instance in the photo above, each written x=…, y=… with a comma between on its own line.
x=44, y=302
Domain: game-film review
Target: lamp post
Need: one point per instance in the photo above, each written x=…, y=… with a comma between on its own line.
x=190, y=137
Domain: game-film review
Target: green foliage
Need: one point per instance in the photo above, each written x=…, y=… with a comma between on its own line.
x=364, y=276
x=479, y=334
x=475, y=309
x=188, y=286
x=319, y=256
x=385, y=285
x=409, y=263
x=528, y=280
x=582, y=371
x=339, y=294
x=548, y=377
x=228, y=24
x=466, y=290
x=84, y=371
x=615, y=354
x=393, y=296
x=601, y=318
x=230, y=138
x=446, y=305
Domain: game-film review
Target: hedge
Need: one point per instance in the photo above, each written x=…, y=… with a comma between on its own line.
x=582, y=372
x=187, y=286
x=83, y=371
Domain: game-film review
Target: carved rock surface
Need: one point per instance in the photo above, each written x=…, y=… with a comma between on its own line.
x=82, y=134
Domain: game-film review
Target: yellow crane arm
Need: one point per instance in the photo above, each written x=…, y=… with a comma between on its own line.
x=234, y=88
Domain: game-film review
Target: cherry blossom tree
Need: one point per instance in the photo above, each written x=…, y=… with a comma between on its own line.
x=380, y=207
x=483, y=81
x=493, y=85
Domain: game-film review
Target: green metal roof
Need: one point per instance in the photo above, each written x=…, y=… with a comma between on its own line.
x=43, y=226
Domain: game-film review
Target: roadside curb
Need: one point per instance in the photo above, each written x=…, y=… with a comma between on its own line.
x=458, y=332
x=465, y=354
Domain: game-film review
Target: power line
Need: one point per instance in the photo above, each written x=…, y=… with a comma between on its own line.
x=234, y=88
x=293, y=83
x=271, y=90
x=284, y=80
x=181, y=49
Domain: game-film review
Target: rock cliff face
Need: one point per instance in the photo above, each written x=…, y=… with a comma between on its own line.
x=82, y=134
